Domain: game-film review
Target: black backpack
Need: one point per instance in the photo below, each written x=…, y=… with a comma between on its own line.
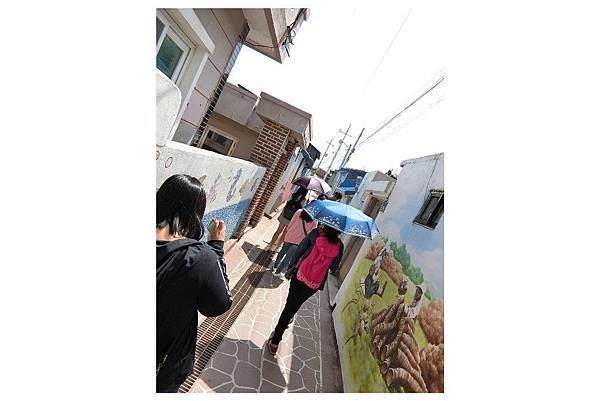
x=291, y=207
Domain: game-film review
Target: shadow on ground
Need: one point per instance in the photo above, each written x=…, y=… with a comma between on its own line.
x=258, y=255
x=247, y=247
x=264, y=280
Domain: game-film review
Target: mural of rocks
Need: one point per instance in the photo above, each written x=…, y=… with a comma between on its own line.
x=394, y=346
x=432, y=367
x=393, y=268
x=431, y=319
x=374, y=249
x=388, y=264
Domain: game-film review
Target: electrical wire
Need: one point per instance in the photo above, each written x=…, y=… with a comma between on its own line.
x=389, y=120
x=388, y=49
x=439, y=81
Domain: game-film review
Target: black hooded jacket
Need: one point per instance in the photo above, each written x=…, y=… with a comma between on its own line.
x=190, y=278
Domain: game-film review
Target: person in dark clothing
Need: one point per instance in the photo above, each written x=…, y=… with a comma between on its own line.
x=296, y=202
x=190, y=277
x=322, y=244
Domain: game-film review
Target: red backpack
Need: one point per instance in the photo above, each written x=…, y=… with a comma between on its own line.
x=313, y=268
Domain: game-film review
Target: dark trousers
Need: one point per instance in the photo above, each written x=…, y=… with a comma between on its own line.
x=298, y=294
x=171, y=388
x=284, y=257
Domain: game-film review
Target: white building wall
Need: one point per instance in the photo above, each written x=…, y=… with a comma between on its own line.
x=186, y=25
x=426, y=250
x=168, y=99
x=224, y=27
x=229, y=182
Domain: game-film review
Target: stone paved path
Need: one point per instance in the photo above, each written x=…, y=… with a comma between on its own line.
x=307, y=359
x=242, y=364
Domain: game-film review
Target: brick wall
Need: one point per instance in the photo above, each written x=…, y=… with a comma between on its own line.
x=269, y=148
x=279, y=169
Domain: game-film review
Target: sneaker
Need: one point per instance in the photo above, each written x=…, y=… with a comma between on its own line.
x=272, y=348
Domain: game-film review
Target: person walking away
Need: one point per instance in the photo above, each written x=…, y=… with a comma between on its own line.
x=296, y=202
x=319, y=252
x=190, y=277
x=299, y=226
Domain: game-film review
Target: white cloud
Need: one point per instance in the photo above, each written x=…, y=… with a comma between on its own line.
x=433, y=259
x=432, y=265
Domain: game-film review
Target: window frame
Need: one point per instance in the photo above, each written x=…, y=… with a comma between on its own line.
x=219, y=132
x=181, y=40
x=434, y=218
x=162, y=33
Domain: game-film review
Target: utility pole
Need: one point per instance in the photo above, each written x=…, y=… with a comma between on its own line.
x=346, y=156
x=343, y=163
x=338, y=149
x=325, y=153
x=351, y=150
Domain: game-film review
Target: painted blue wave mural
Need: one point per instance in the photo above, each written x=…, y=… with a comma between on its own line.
x=231, y=215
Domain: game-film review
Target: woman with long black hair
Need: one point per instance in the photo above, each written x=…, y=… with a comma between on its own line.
x=190, y=277
x=319, y=252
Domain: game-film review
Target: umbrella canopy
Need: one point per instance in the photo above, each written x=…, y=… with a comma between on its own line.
x=312, y=183
x=342, y=217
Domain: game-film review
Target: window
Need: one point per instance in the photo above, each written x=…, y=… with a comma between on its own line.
x=172, y=48
x=218, y=142
x=432, y=210
x=168, y=57
x=159, y=29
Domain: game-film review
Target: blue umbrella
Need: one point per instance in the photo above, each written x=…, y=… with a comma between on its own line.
x=342, y=217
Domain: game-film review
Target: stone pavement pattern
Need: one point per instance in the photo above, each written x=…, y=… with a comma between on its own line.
x=242, y=364
x=307, y=352
x=239, y=255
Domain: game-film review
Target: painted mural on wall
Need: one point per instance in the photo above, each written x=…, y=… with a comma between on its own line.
x=389, y=318
x=228, y=182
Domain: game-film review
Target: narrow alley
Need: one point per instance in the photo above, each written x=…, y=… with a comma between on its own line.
x=230, y=352
x=255, y=154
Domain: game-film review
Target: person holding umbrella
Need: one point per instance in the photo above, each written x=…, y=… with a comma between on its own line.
x=296, y=202
x=306, y=183
x=319, y=252
x=337, y=196
x=312, y=183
